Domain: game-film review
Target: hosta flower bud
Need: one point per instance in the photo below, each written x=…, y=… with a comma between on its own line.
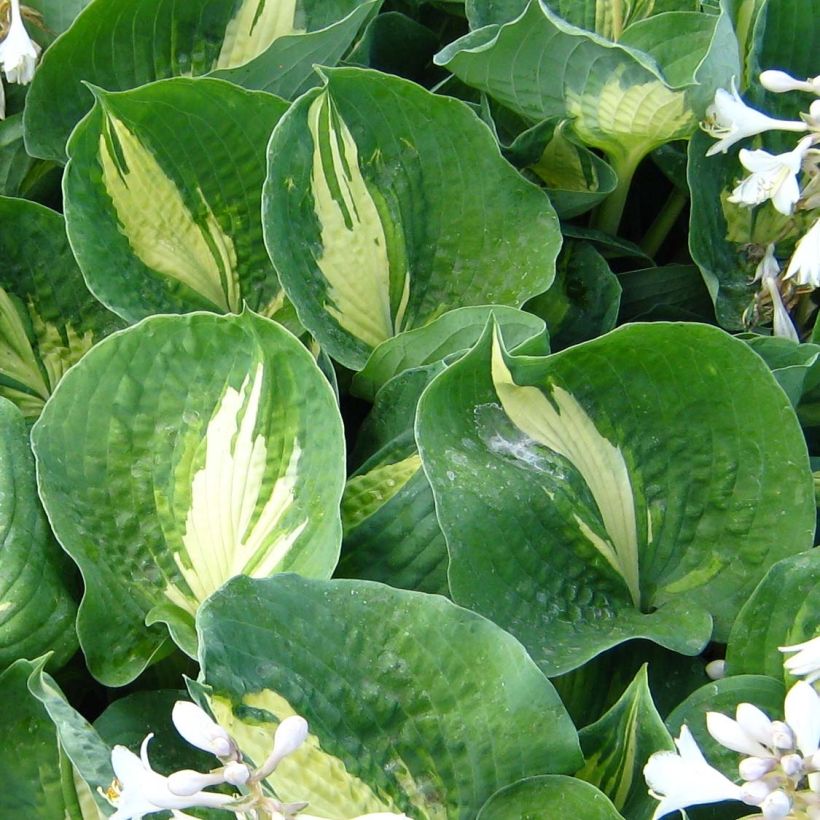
x=753, y=768
x=782, y=735
x=792, y=765
x=755, y=792
x=236, y=773
x=776, y=806
x=187, y=781
x=200, y=730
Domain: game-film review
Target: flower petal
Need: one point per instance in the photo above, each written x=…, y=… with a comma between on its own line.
x=200, y=730
x=802, y=709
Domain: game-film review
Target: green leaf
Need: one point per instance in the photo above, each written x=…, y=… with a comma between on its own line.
x=621, y=98
x=414, y=704
x=163, y=212
x=122, y=44
x=793, y=365
x=36, y=607
x=626, y=487
x=454, y=332
x=88, y=753
x=15, y=164
x=584, y=298
x=58, y=15
x=669, y=292
x=391, y=533
x=358, y=170
x=617, y=746
x=784, y=610
x=29, y=752
x=287, y=67
x=48, y=318
x=547, y=797
x=576, y=178
x=724, y=696
x=181, y=452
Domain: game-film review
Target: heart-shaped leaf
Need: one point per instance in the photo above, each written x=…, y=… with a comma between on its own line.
x=179, y=453
x=163, y=196
x=414, y=704
x=626, y=487
x=357, y=170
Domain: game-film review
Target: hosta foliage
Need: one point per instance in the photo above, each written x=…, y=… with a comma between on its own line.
x=579, y=510
x=358, y=169
x=231, y=463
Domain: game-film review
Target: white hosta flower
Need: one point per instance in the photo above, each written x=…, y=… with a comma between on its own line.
x=730, y=120
x=139, y=790
x=805, y=261
x=780, y=81
x=200, y=730
x=734, y=735
x=806, y=662
x=802, y=708
x=18, y=52
x=774, y=176
x=781, y=321
x=716, y=670
x=686, y=779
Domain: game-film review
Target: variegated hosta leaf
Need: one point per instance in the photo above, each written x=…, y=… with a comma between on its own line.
x=179, y=453
x=391, y=533
x=403, y=208
x=623, y=99
x=122, y=44
x=36, y=607
x=163, y=196
x=626, y=487
x=414, y=704
x=617, y=746
x=48, y=317
x=547, y=797
x=784, y=610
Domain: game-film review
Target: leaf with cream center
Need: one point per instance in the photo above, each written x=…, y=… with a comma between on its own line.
x=194, y=448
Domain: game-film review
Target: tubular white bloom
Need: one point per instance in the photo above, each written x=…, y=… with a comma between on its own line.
x=18, y=52
x=780, y=81
x=291, y=733
x=774, y=176
x=200, y=730
x=732, y=735
x=730, y=120
x=802, y=708
x=781, y=321
x=768, y=266
x=141, y=790
x=806, y=663
x=686, y=779
x=805, y=266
